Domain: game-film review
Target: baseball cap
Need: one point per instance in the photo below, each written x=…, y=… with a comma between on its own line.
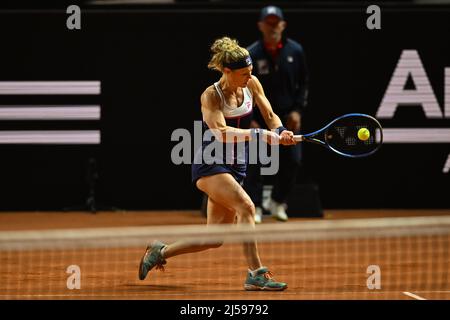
x=271, y=11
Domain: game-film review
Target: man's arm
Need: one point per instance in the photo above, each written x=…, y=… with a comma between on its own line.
x=293, y=119
x=301, y=94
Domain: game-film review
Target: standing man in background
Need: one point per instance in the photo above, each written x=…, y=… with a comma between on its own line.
x=280, y=65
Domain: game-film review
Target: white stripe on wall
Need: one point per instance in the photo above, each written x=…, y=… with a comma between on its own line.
x=49, y=87
x=69, y=112
x=415, y=135
x=446, y=168
x=50, y=137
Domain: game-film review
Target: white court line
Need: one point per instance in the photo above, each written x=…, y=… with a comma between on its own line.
x=192, y=293
x=412, y=295
x=434, y=291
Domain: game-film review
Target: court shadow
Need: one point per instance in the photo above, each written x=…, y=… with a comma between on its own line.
x=154, y=287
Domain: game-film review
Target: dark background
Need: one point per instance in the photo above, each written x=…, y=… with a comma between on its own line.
x=151, y=61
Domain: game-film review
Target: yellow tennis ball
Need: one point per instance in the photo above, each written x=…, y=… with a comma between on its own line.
x=363, y=134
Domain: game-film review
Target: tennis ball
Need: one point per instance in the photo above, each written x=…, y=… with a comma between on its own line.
x=363, y=134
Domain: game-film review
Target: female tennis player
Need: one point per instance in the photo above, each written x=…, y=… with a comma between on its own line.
x=227, y=108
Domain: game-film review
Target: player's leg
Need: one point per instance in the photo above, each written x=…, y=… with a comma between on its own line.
x=254, y=187
x=216, y=214
x=224, y=189
x=228, y=198
x=157, y=252
x=224, y=199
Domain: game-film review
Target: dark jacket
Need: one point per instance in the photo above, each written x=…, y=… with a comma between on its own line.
x=285, y=81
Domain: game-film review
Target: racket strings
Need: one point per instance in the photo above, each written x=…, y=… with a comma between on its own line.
x=342, y=136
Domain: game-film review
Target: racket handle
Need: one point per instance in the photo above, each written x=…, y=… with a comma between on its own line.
x=299, y=138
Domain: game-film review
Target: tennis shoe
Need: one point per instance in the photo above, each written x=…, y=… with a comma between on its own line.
x=266, y=204
x=152, y=258
x=263, y=280
x=278, y=210
x=258, y=215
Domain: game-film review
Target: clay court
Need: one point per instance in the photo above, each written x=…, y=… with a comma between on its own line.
x=411, y=268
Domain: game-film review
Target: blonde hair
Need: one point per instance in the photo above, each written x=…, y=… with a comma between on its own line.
x=226, y=50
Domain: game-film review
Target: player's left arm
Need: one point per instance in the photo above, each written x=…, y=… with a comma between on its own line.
x=271, y=119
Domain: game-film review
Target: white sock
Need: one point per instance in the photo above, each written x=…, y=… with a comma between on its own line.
x=254, y=272
x=162, y=251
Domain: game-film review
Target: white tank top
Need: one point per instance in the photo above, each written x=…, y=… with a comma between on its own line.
x=242, y=110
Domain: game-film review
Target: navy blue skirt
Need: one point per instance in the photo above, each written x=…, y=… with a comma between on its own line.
x=203, y=170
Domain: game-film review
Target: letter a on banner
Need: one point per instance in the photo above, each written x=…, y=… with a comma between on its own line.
x=411, y=66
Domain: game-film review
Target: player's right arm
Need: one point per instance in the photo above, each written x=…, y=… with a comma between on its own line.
x=214, y=118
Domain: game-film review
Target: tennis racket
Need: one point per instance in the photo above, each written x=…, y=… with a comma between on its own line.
x=341, y=135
